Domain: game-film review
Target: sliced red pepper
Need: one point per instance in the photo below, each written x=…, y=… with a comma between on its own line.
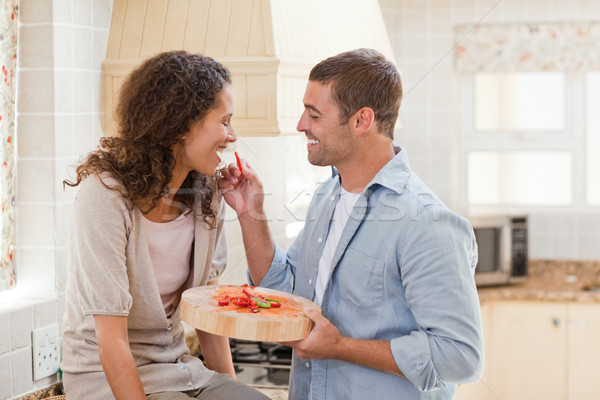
x=274, y=304
x=241, y=302
x=239, y=162
x=223, y=302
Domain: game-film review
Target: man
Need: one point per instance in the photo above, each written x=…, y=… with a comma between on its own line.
x=390, y=265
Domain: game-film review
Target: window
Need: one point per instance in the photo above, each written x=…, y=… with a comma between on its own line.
x=531, y=139
x=593, y=139
x=519, y=102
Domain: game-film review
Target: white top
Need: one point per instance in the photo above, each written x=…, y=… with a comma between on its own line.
x=170, y=244
x=342, y=211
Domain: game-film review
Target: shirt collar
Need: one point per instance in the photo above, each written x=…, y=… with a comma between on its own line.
x=392, y=176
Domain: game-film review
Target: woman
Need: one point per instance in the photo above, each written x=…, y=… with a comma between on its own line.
x=146, y=226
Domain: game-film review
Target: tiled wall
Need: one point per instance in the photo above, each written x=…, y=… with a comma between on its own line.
x=422, y=37
x=61, y=46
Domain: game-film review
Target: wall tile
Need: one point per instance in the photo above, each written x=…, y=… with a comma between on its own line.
x=35, y=181
x=63, y=138
x=100, y=39
x=83, y=134
x=101, y=13
x=21, y=324
x=63, y=214
x=35, y=91
x=35, y=46
x=36, y=267
x=65, y=169
x=63, y=91
x=62, y=11
x=35, y=11
x=5, y=376
x=44, y=314
x=36, y=135
x=82, y=48
x=63, y=46
x=82, y=12
x=22, y=371
x=82, y=88
x=5, y=333
x=35, y=225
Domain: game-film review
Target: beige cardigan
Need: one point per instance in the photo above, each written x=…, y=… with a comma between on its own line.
x=109, y=272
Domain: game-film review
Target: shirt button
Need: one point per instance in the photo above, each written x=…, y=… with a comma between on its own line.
x=332, y=198
x=182, y=366
x=310, y=281
x=169, y=327
x=189, y=383
x=307, y=365
x=320, y=240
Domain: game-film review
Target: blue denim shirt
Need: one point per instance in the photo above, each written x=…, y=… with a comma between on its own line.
x=403, y=271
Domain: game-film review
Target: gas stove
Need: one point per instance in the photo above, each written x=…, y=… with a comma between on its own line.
x=261, y=364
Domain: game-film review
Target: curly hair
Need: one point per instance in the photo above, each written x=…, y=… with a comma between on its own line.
x=158, y=103
x=363, y=78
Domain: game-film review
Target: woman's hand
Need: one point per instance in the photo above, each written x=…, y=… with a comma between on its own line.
x=242, y=190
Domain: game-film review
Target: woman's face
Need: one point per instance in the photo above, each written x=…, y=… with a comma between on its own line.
x=199, y=148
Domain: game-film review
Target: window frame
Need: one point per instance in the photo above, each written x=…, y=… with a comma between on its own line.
x=572, y=139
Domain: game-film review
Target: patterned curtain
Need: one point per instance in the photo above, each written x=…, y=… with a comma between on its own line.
x=528, y=47
x=8, y=62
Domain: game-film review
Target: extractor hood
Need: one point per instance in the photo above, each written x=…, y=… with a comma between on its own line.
x=268, y=45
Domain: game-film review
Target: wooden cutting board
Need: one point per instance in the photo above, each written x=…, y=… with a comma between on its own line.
x=200, y=309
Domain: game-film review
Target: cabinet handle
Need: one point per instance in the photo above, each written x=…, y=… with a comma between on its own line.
x=555, y=321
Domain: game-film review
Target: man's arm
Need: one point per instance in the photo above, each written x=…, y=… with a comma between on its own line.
x=116, y=358
x=244, y=193
x=326, y=342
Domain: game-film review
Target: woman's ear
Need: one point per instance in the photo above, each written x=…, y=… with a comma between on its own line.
x=362, y=120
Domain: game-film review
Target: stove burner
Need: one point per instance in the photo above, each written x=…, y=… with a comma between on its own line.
x=261, y=363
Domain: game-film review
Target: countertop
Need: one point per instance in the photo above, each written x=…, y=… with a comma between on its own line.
x=571, y=281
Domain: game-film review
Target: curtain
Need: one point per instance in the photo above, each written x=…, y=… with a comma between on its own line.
x=8, y=62
x=528, y=47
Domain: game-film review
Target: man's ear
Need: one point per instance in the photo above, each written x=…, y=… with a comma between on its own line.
x=362, y=121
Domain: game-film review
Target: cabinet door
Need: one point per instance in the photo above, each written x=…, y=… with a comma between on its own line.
x=584, y=351
x=480, y=390
x=528, y=358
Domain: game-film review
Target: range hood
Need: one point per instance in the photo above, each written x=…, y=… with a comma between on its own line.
x=268, y=45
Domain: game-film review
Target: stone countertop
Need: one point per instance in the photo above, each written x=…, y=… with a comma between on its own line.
x=570, y=281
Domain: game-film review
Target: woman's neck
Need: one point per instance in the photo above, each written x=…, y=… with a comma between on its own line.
x=169, y=207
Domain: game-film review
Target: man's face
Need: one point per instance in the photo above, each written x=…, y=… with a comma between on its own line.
x=329, y=142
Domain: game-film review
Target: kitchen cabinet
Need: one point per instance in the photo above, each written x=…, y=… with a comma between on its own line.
x=538, y=350
x=584, y=351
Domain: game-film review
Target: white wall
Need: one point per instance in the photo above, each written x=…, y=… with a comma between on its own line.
x=422, y=38
x=61, y=46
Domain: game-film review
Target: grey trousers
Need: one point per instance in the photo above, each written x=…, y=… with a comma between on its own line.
x=219, y=387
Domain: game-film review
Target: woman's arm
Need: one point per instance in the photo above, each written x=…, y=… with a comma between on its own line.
x=216, y=352
x=116, y=358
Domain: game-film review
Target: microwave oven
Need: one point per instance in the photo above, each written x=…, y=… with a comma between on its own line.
x=502, y=249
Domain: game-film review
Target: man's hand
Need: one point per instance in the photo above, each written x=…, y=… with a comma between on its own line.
x=242, y=191
x=322, y=342
x=326, y=342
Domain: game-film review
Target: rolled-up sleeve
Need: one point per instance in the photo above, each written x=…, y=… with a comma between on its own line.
x=437, y=266
x=281, y=273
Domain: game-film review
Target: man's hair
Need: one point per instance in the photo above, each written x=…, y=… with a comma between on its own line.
x=362, y=78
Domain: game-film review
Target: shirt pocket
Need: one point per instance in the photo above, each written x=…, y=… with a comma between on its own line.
x=361, y=280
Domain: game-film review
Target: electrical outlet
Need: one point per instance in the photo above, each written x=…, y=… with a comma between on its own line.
x=46, y=351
